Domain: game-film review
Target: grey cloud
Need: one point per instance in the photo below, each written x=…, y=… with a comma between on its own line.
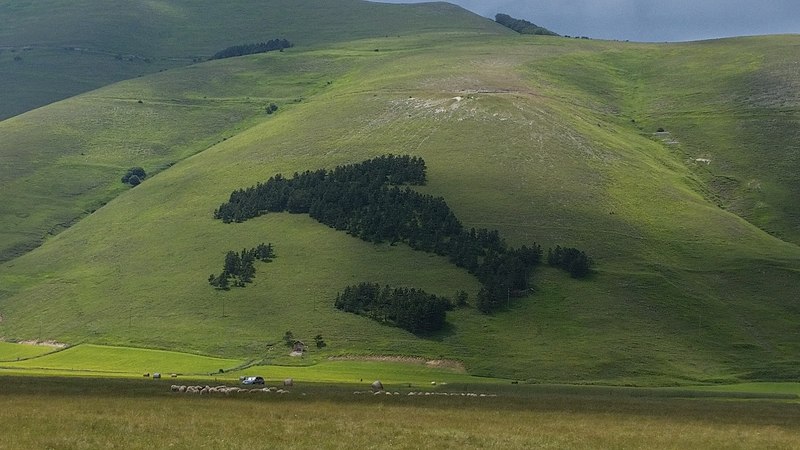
x=648, y=20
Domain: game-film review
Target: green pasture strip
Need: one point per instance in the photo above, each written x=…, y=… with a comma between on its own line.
x=124, y=360
x=365, y=372
x=10, y=351
x=764, y=388
x=38, y=372
x=683, y=392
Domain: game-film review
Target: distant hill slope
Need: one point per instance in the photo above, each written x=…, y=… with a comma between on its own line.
x=50, y=50
x=731, y=108
x=536, y=140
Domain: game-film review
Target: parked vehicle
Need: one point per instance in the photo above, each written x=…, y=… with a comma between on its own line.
x=253, y=380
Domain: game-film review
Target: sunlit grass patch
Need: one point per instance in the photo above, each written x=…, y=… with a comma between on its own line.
x=10, y=351
x=365, y=372
x=123, y=360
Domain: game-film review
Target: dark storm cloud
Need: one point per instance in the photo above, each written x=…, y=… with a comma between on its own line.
x=648, y=20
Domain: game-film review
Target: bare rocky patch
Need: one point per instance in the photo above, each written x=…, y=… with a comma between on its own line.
x=45, y=343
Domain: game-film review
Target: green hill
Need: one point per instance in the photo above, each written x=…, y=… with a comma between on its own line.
x=59, y=167
x=51, y=50
x=545, y=139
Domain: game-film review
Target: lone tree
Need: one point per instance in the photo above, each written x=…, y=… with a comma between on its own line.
x=461, y=299
x=319, y=341
x=288, y=339
x=134, y=176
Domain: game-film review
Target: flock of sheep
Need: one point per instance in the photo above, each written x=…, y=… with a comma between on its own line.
x=444, y=394
x=227, y=390
x=377, y=389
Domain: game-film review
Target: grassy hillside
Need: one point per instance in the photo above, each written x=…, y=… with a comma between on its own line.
x=535, y=140
x=66, y=160
x=50, y=50
x=730, y=108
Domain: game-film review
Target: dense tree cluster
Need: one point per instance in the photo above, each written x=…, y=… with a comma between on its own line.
x=239, y=268
x=367, y=201
x=570, y=259
x=364, y=200
x=330, y=196
x=251, y=49
x=410, y=309
x=505, y=275
x=522, y=26
x=134, y=176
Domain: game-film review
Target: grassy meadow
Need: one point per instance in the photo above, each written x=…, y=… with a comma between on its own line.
x=548, y=140
x=106, y=413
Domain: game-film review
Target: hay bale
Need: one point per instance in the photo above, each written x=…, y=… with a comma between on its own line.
x=288, y=382
x=377, y=386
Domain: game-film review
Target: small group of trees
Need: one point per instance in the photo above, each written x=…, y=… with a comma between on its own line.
x=290, y=341
x=411, y=309
x=134, y=176
x=330, y=196
x=574, y=261
x=251, y=49
x=239, y=268
x=271, y=108
x=522, y=26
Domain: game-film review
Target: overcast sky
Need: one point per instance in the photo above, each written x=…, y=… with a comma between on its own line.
x=647, y=20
